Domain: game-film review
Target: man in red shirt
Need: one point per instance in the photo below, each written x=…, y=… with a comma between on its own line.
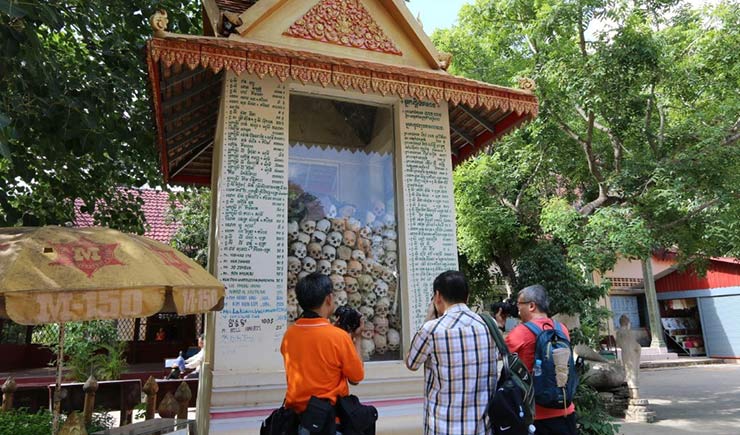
x=533, y=307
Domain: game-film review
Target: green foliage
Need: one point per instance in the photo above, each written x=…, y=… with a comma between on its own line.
x=191, y=209
x=593, y=320
x=89, y=348
x=639, y=105
x=75, y=117
x=592, y=419
x=21, y=422
x=567, y=289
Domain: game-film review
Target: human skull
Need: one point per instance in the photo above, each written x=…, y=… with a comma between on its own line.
x=302, y=275
x=349, y=238
x=340, y=298
x=347, y=211
x=331, y=211
x=368, y=330
x=334, y=239
x=292, y=280
x=354, y=268
x=344, y=253
x=369, y=298
x=377, y=252
x=388, y=276
x=364, y=245
x=378, y=208
x=366, y=232
x=369, y=217
x=394, y=340
x=292, y=298
x=389, y=221
x=324, y=267
x=358, y=255
x=389, y=234
x=298, y=250
x=309, y=265
x=338, y=225
x=293, y=231
x=354, y=225
x=337, y=282
x=329, y=253
x=339, y=267
x=377, y=226
x=390, y=245
x=380, y=288
x=319, y=237
x=354, y=300
x=308, y=226
x=381, y=344
x=377, y=241
x=304, y=238
x=382, y=306
x=323, y=225
x=391, y=259
x=367, y=312
x=294, y=264
x=365, y=282
x=394, y=320
x=381, y=324
x=377, y=270
x=368, y=348
x=292, y=313
x=350, y=285
x=314, y=251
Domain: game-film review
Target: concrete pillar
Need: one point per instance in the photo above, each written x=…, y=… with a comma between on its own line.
x=656, y=331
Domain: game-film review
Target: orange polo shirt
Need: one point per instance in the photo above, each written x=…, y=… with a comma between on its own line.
x=319, y=359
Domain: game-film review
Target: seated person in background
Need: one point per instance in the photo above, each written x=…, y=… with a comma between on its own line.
x=160, y=335
x=319, y=358
x=195, y=361
x=178, y=367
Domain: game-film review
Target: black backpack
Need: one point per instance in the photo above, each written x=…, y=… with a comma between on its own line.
x=511, y=406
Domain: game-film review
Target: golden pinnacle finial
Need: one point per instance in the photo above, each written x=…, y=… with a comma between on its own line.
x=159, y=21
x=527, y=84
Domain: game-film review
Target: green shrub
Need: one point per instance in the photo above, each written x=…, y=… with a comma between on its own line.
x=591, y=413
x=21, y=422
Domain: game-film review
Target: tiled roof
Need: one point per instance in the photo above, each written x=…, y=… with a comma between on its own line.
x=156, y=206
x=237, y=6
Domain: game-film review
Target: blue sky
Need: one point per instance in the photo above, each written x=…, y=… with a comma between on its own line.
x=436, y=14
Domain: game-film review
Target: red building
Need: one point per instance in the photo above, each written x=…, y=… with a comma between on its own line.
x=700, y=312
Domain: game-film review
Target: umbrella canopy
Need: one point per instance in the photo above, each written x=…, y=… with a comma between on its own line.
x=58, y=274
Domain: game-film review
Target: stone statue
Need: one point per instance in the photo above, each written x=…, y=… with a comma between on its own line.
x=159, y=22
x=631, y=351
x=638, y=410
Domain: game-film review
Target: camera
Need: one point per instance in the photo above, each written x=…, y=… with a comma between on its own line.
x=507, y=307
x=347, y=318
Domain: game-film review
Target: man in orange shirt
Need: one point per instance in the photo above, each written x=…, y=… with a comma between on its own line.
x=319, y=357
x=533, y=307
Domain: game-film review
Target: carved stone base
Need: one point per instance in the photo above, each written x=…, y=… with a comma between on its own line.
x=639, y=412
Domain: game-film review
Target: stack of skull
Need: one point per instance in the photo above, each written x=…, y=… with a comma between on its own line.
x=362, y=263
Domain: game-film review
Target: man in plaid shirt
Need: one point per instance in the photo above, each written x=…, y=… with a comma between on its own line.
x=459, y=362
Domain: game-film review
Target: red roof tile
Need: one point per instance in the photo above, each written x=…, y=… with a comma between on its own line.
x=156, y=207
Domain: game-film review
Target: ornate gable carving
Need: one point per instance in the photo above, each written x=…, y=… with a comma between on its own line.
x=342, y=22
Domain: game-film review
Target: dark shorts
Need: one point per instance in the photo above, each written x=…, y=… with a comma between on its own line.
x=557, y=426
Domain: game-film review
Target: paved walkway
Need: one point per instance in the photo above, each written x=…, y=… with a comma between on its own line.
x=691, y=400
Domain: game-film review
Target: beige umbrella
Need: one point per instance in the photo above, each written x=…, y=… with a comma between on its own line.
x=58, y=274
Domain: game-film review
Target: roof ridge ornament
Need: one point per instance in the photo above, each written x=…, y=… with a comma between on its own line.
x=159, y=22
x=527, y=84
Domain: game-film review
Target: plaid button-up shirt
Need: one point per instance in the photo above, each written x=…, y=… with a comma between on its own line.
x=459, y=357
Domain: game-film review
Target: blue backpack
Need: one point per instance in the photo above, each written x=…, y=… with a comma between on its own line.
x=546, y=391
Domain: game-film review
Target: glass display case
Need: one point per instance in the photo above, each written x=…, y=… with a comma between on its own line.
x=342, y=212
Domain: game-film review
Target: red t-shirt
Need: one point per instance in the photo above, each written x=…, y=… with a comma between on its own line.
x=522, y=341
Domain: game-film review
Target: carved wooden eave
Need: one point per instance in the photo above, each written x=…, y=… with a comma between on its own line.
x=186, y=74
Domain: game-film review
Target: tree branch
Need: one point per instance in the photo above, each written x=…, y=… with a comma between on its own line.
x=734, y=134
x=616, y=142
x=649, y=119
x=692, y=213
x=587, y=149
x=519, y=196
x=581, y=34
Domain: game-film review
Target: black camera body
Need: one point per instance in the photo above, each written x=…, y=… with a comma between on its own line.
x=507, y=307
x=348, y=318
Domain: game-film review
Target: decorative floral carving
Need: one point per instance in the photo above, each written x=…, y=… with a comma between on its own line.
x=461, y=94
x=423, y=89
x=306, y=71
x=342, y=22
x=354, y=78
x=387, y=83
x=224, y=58
x=263, y=64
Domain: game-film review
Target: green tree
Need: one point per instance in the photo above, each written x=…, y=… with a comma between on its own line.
x=191, y=209
x=75, y=118
x=639, y=120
